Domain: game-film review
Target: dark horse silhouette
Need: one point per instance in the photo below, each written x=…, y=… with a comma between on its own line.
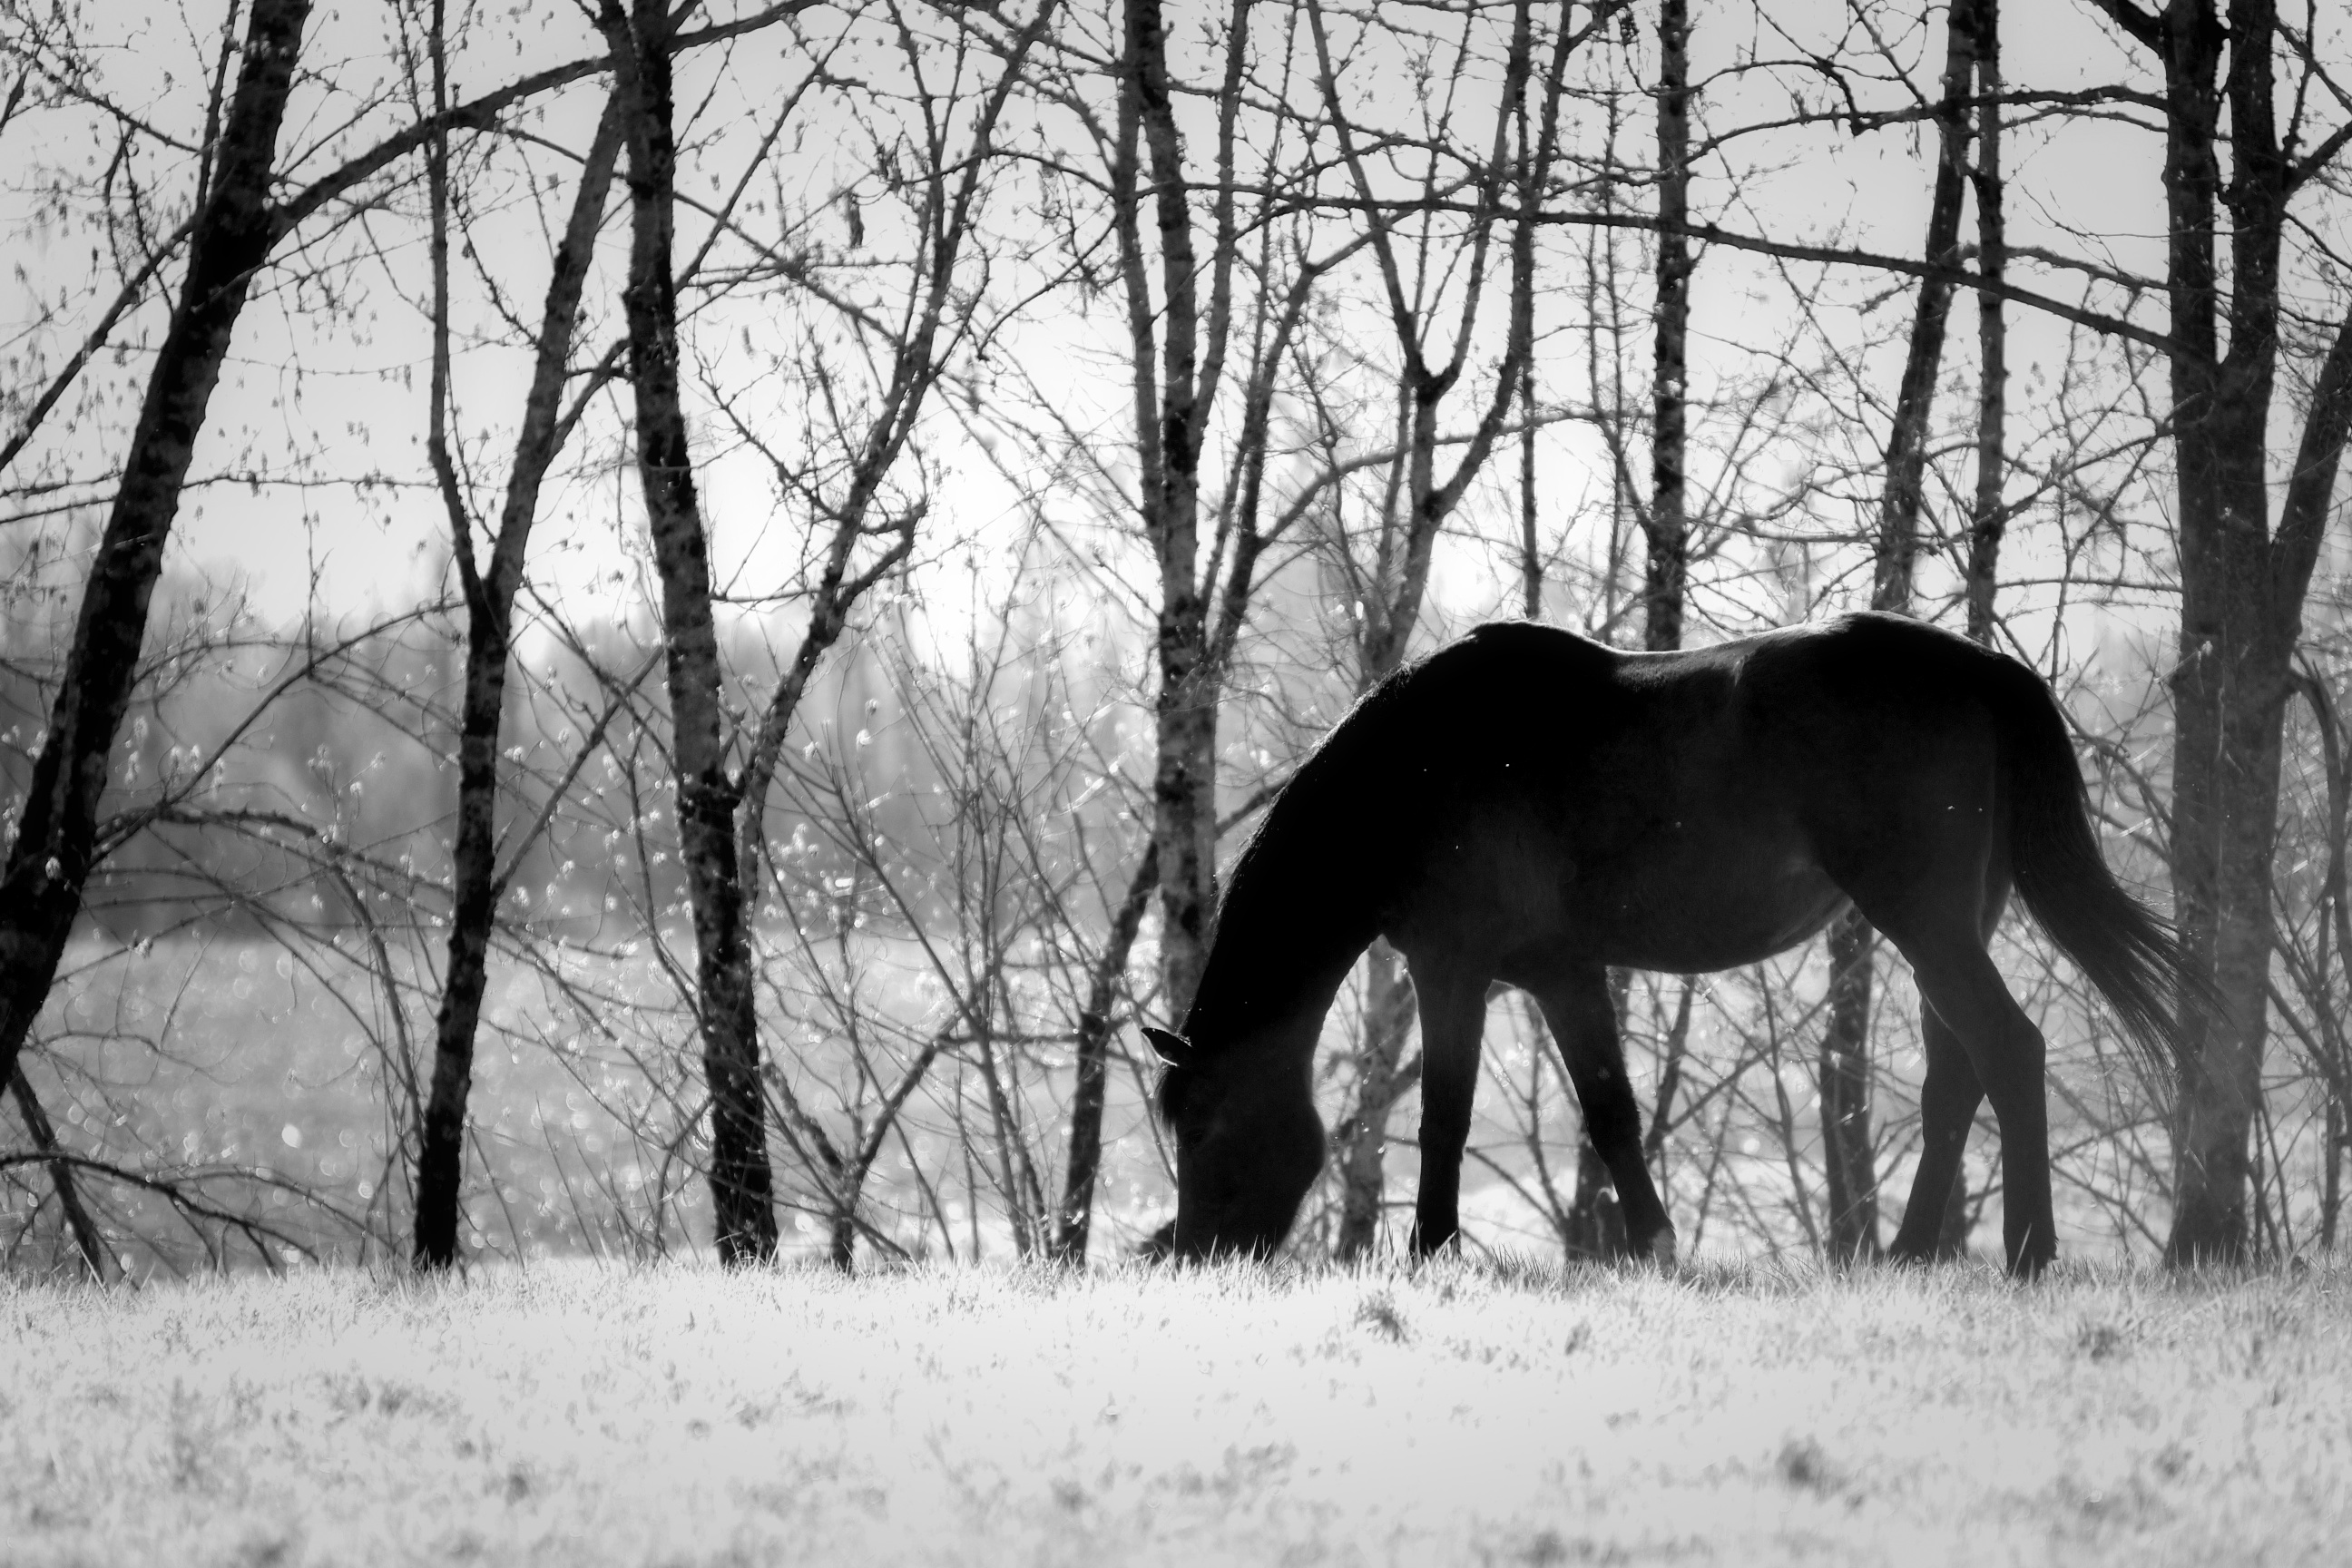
x=1530, y=807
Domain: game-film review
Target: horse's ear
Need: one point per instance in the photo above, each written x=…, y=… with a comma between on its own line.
x=1171, y=1048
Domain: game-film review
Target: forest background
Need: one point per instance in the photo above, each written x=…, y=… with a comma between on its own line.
x=632, y=629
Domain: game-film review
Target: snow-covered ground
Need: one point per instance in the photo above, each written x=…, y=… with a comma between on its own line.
x=585, y=1415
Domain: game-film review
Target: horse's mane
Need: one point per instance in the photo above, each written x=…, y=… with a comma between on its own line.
x=1301, y=874
x=1316, y=806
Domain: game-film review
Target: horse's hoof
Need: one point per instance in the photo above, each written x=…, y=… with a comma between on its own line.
x=1661, y=1251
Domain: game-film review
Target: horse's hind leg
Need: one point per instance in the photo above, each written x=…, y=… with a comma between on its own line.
x=1959, y=980
x=1949, y=1098
x=1452, y=1017
x=1948, y=1109
x=1583, y=1020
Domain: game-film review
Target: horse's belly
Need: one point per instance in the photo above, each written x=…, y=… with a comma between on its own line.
x=1717, y=907
x=1694, y=891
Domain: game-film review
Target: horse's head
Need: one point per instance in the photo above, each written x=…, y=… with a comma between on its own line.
x=1248, y=1145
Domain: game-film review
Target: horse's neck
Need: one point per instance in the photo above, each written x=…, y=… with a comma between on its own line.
x=1286, y=937
x=1262, y=978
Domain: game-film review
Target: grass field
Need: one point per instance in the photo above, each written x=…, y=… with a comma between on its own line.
x=586, y=1415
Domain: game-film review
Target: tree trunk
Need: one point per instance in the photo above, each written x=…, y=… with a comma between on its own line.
x=741, y=1183
x=2243, y=586
x=1531, y=584
x=50, y=861
x=1076, y=1221
x=1183, y=790
x=1986, y=518
x=1907, y=444
x=1666, y=527
x=1849, y=1165
x=87, y=1237
x=1382, y=1080
x=475, y=886
x=2209, y=1200
x=2331, y=1183
x=1171, y=406
x=2240, y=628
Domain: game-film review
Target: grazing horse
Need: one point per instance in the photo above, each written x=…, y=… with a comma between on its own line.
x=1531, y=807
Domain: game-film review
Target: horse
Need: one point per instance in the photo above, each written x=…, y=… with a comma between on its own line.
x=1530, y=807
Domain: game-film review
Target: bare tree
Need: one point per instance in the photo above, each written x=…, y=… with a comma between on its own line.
x=1073, y=1222
x=475, y=880
x=741, y=1181
x=722, y=814
x=1173, y=405
x=2242, y=580
x=1203, y=503
x=50, y=857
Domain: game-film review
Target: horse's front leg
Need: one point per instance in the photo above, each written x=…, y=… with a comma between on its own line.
x=1452, y=1017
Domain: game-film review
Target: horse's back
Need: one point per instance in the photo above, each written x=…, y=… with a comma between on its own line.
x=1872, y=703
x=1857, y=689
x=1553, y=795
x=1692, y=809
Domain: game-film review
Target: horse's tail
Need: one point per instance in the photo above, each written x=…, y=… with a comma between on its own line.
x=2128, y=951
